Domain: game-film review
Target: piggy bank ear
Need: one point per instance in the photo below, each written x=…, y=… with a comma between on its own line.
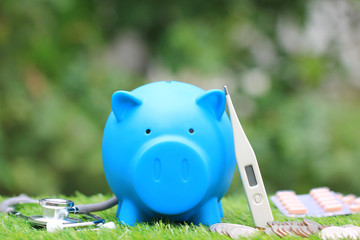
x=214, y=101
x=123, y=102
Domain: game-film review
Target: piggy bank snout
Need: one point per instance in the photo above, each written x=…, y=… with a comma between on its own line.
x=171, y=177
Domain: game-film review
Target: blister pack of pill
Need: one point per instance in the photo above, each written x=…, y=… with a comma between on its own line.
x=320, y=202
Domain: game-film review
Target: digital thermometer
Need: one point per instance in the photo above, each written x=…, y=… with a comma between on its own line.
x=249, y=171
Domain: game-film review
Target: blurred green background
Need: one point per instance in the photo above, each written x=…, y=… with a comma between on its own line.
x=292, y=68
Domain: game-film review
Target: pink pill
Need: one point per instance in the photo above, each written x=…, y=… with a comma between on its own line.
x=333, y=207
x=322, y=195
x=287, y=196
x=319, y=190
x=326, y=203
x=289, y=207
x=355, y=207
x=339, y=196
x=285, y=193
x=348, y=199
x=297, y=210
x=286, y=205
x=327, y=199
x=290, y=201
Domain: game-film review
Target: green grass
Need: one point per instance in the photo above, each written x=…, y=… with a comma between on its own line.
x=235, y=211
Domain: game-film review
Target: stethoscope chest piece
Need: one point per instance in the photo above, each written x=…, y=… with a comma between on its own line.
x=40, y=221
x=54, y=209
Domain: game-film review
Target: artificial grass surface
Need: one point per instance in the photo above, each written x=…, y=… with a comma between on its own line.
x=235, y=211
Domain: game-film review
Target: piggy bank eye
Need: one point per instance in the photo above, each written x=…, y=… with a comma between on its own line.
x=148, y=131
x=191, y=130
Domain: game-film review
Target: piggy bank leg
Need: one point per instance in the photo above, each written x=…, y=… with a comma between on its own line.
x=118, y=209
x=208, y=214
x=220, y=209
x=130, y=214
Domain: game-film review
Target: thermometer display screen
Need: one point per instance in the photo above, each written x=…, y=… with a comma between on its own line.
x=250, y=175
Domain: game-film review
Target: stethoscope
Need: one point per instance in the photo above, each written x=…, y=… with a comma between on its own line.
x=56, y=212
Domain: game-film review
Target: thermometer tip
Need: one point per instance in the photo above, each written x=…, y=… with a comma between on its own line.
x=226, y=90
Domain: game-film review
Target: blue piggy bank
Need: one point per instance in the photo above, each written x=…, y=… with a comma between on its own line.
x=168, y=153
